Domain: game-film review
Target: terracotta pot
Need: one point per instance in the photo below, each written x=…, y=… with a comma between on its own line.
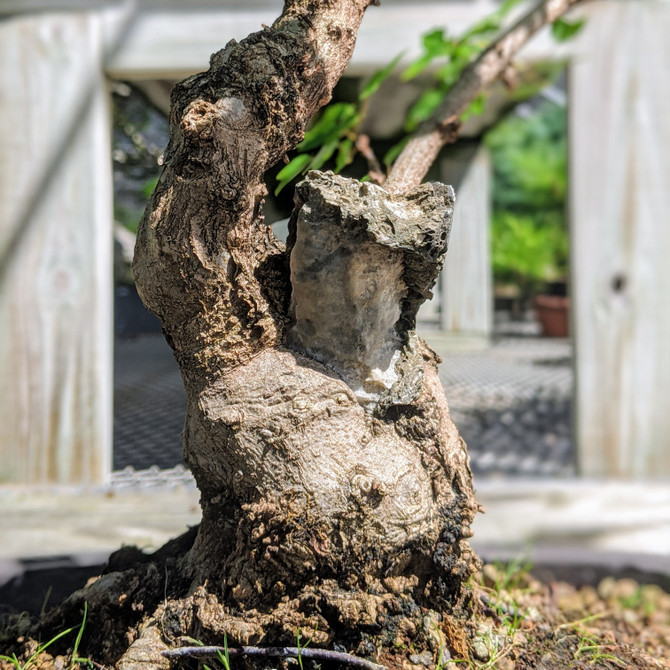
x=552, y=312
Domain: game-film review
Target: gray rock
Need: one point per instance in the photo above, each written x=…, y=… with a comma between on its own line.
x=425, y=658
x=480, y=650
x=362, y=262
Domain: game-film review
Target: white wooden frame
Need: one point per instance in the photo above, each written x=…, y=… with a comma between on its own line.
x=55, y=299
x=620, y=239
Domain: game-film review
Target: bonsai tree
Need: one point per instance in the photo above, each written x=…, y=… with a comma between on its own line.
x=335, y=490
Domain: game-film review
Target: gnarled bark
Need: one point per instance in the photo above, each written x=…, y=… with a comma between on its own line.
x=336, y=491
x=335, y=453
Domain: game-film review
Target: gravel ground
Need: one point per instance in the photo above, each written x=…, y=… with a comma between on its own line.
x=519, y=437
x=511, y=401
x=511, y=621
x=528, y=624
x=149, y=405
x=512, y=404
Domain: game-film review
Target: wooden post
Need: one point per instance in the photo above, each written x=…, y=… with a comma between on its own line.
x=465, y=287
x=56, y=250
x=619, y=146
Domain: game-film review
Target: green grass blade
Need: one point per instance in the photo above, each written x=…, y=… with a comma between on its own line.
x=81, y=631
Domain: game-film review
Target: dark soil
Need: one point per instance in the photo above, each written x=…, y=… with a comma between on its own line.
x=43, y=583
x=548, y=618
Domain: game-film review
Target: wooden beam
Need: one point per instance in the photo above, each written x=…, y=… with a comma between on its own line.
x=177, y=40
x=9, y=7
x=56, y=246
x=619, y=150
x=172, y=39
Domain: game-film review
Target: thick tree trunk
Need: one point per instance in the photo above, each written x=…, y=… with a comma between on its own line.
x=336, y=491
x=333, y=480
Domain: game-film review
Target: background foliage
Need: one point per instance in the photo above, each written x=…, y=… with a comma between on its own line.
x=529, y=233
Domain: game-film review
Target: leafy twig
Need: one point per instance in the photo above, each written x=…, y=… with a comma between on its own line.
x=276, y=652
x=422, y=150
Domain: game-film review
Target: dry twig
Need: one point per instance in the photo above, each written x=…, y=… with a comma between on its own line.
x=276, y=652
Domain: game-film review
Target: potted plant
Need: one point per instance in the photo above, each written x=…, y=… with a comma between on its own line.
x=531, y=254
x=553, y=310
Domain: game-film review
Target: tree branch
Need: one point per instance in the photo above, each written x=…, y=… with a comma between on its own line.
x=204, y=262
x=377, y=175
x=422, y=150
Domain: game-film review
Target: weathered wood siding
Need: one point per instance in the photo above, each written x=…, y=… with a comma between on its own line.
x=620, y=234
x=466, y=303
x=56, y=246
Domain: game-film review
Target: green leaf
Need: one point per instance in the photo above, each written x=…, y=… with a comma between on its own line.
x=461, y=57
x=475, y=108
x=415, y=68
x=335, y=120
x=506, y=6
x=149, y=187
x=464, y=52
x=324, y=153
x=491, y=23
x=292, y=170
x=394, y=151
x=424, y=107
x=324, y=125
x=563, y=30
x=488, y=24
x=365, y=178
x=435, y=42
x=345, y=154
x=378, y=77
x=449, y=72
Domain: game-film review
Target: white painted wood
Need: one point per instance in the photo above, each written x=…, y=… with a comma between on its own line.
x=617, y=524
x=56, y=244
x=625, y=523
x=171, y=39
x=466, y=303
x=619, y=149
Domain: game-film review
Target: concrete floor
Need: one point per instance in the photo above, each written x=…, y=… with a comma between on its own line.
x=609, y=523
